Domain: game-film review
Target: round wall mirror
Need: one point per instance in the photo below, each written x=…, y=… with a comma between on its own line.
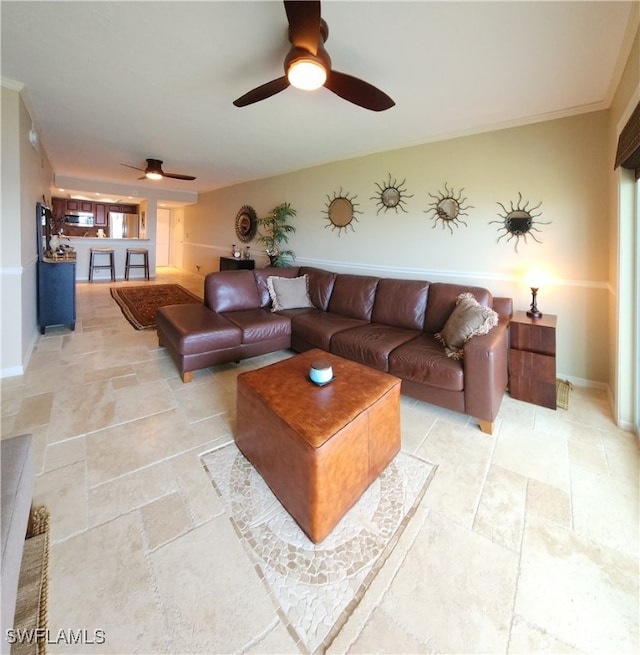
x=448, y=207
x=246, y=223
x=341, y=212
x=391, y=195
x=518, y=222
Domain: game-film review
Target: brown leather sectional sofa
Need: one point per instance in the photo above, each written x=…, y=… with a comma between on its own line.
x=384, y=323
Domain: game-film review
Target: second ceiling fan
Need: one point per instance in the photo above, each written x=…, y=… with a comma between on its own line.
x=308, y=65
x=154, y=171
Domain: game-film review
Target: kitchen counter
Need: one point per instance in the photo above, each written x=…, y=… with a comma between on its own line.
x=82, y=246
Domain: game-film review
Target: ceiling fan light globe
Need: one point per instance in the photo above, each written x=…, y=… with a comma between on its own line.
x=306, y=74
x=153, y=176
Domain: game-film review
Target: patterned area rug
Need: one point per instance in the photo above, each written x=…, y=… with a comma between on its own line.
x=316, y=587
x=139, y=304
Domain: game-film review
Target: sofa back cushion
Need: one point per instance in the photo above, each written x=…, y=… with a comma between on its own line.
x=320, y=285
x=261, y=275
x=353, y=296
x=401, y=303
x=442, y=301
x=231, y=291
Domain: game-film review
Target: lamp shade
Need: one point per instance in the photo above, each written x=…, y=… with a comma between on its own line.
x=307, y=74
x=536, y=278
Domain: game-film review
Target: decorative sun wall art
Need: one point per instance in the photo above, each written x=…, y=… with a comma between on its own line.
x=448, y=206
x=391, y=195
x=518, y=222
x=341, y=211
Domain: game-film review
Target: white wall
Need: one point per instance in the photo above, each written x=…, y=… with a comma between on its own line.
x=26, y=176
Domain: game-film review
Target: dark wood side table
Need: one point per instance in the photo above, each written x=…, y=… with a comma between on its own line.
x=236, y=264
x=532, y=359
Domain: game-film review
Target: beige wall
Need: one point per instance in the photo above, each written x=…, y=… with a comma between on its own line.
x=26, y=177
x=562, y=163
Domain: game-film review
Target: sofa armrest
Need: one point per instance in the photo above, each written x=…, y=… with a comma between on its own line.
x=486, y=371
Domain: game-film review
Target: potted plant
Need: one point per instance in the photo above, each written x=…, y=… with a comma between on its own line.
x=275, y=232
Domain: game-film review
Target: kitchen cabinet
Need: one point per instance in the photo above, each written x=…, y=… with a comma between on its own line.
x=58, y=207
x=532, y=359
x=56, y=294
x=100, y=215
x=72, y=205
x=123, y=209
x=100, y=210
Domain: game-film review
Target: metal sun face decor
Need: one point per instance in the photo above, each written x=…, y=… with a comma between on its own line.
x=341, y=211
x=448, y=207
x=518, y=222
x=391, y=195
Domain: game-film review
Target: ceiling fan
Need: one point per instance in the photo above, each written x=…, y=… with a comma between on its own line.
x=308, y=65
x=154, y=171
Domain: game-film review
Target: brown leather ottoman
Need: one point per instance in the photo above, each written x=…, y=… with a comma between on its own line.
x=318, y=448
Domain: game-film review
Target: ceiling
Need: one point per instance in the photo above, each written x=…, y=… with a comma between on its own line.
x=108, y=83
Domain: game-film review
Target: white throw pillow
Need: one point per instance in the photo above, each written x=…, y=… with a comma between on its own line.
x=289, y=292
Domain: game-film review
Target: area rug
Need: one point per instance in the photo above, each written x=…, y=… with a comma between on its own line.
x=140, y=303
x=316, y=587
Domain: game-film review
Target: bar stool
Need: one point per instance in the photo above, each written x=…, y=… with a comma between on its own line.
x=143, y=264
x=95, y=252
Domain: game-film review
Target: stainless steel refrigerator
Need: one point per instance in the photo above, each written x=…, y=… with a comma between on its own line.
x=124, y=226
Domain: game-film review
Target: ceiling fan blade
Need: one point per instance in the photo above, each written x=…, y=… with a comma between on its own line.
x=135, y=167
x=358, y=91
x=304, y=23
x=262, y=92
x=177, y=176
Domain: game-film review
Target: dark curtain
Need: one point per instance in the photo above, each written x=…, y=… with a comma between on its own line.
x=628, y=155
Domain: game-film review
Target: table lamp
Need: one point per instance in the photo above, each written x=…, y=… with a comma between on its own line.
x=534, y=280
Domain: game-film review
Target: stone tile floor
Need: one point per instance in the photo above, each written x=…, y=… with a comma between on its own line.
x=526, y=541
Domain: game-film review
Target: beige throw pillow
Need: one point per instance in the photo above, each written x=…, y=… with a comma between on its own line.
x=289, y=292
x=468, y=319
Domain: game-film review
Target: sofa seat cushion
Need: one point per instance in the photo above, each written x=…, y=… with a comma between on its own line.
x=370, y=344
x=192, y=329
x=259, y=325
x=423, y=360
x=317, y=327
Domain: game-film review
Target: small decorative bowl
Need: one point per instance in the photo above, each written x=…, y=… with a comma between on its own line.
x=320, y=372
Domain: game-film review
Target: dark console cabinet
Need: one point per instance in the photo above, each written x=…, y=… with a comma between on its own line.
x=236, y=264
x=56, y=294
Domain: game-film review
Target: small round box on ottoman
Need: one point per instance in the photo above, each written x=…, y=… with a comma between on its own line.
x=318, y=447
